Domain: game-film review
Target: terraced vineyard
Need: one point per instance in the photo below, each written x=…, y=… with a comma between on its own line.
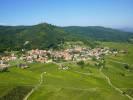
x=47, y=82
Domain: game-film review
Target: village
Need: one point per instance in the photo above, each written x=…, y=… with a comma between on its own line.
x=47, y=56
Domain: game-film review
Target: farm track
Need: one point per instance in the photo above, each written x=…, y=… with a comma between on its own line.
x=113, y=86
x=83, y=73
x=35, y=88
x=81, y=89
x=118, y=62
x=94, y=89
x=109, y=82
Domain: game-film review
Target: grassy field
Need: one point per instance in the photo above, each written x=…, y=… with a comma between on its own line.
x=75, y=84
x=88, y=83
x=119, y=75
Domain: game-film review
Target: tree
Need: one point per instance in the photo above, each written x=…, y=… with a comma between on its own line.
x=94, y=58
x=126, y=66
x=81, y=63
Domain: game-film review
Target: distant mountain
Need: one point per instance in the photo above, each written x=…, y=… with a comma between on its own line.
x=99, y=33
x=126, y=29
x=44, y=36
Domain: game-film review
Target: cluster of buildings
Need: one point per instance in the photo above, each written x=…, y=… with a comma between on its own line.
x=35, y=56
x=46, y=56
x=79, y=53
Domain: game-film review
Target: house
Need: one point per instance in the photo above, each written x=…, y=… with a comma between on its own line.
x=3, y=66
x=3, y=69
x=62, y=67
x=49, y=61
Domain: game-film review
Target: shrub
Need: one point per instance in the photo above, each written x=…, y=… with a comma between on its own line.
x=81, y=63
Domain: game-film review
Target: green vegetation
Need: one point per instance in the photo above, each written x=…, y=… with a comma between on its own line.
x=16, y=78
x=119, y=68
x=38, y=36
x=45, y=36
x=105, y=79
x=81, y=63
x=99, y=33
x=76, y=83
x=16, y=93
x=5, y=69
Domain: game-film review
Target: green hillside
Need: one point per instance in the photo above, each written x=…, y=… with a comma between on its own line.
x=45, y=36
x=99, y=33
x=38, y=36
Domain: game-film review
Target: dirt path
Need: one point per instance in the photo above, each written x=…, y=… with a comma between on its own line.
x=113, y=86
x=82, y=89
x=101, y=68
x=35, y=88
x=109, y=82
x=83, y=73
x=117, y=62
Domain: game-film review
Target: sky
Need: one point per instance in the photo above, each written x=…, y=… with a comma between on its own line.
x=108, y=13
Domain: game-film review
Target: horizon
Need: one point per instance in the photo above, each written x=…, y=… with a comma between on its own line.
x=65, y=26
x=111, y=13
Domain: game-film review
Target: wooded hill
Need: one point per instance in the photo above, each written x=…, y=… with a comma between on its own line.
x=100, y=33
x=45, y=36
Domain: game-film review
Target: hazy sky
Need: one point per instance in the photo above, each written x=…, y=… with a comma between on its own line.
x=109, y=13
